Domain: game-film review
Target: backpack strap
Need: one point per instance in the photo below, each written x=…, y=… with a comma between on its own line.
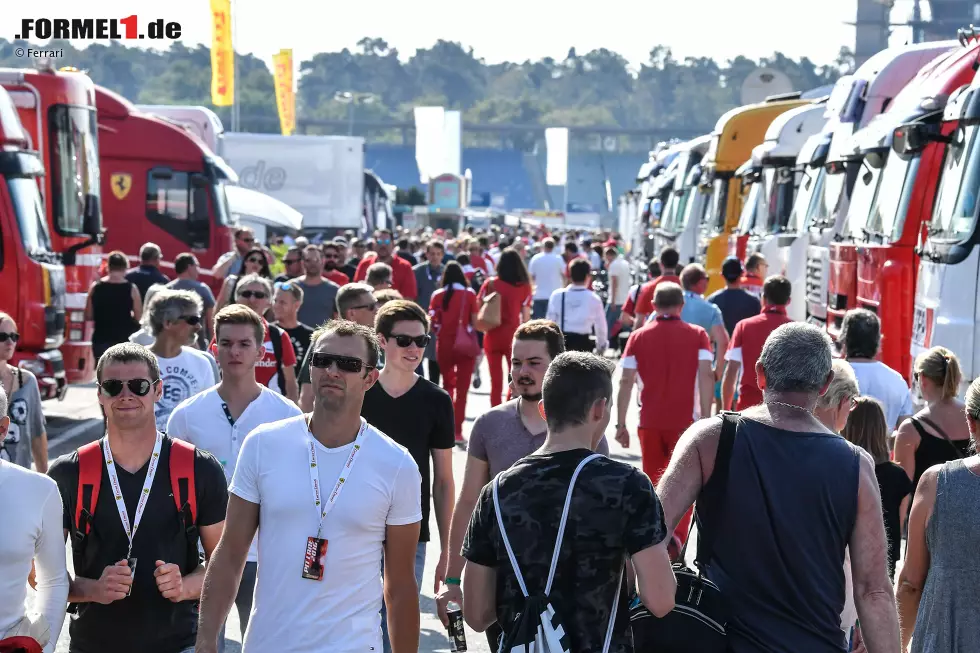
x=275, y=334
x=182, y=480
x=90, y=460
x=719, y=481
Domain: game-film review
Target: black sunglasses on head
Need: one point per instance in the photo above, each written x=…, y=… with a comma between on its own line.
x=12, y=337
x=249, y=294
x=322, y=360
x=192, y=320
x=403, y=340
x=114, y=387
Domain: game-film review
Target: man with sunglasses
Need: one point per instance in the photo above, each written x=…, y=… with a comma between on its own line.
x=137, y=571
x=231, y=262
x=418, y=415
x=402, y=275
x=319, y=293
x=328, y=494
x=331, y=264
x=293, y=264
x=174, y=318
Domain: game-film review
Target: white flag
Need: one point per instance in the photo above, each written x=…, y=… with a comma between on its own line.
x=556, y=140
x=429, y=139
x=452, y=142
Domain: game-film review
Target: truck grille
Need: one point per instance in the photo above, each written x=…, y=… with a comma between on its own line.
x=814, y=280
x=54, y=321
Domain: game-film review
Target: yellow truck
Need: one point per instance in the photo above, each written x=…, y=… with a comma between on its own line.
x=736, y=133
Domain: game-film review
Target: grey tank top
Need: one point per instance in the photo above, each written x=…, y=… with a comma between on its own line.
x=947, y=620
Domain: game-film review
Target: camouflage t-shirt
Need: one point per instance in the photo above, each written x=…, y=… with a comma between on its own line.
x=614, y=513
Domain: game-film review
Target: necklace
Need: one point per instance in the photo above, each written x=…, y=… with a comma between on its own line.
x=780, y=403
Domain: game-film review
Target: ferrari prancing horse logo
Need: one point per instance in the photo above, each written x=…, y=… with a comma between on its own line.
x=121, y=182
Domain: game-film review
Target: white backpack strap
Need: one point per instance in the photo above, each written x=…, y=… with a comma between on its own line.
x=612, y=614
x=564, y=520
x=503, y=534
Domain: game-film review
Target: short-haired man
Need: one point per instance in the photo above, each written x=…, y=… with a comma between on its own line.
x=673, y=361
x=188, y=269
x=218, y=419
x=547, y=269
x=747, y=341
x=602, y=530
x=579, y=312
x=697, y=310
x=404, y=251
x=402, y=276
x=231, y=262
x=319, y=293
x=137, y=569
x=503, y=435
x=756, y=269
x=331, y=264
x=328, y=494
x=811, y=494
x=287, y=300
x=418, y=415
x=860, y=339
x=357, y=251
x=148, y=273
x=292, y=264
x=174, y=317
x=379, y=276
x=619, y=274
x=428, y=275
x=735, y=303
x=669, y=258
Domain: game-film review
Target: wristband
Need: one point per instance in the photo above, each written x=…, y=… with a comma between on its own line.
x=452, y=581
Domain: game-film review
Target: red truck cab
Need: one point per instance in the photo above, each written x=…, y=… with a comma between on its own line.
x=160, y=184
x=30, y=270
x=57, y=111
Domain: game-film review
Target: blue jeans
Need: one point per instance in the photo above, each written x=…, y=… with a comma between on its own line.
x=612, y=314
x=539, y=309
x=419, y=569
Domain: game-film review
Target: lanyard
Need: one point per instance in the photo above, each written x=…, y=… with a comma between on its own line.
x=323, y=507
x=151, y=472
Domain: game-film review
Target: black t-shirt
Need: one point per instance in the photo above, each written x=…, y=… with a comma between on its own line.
x=614, y=513
x=300, y=336
x=143, y=621
x=894, y=485
x=736, y=305
x=350, y=268
x=419, y=420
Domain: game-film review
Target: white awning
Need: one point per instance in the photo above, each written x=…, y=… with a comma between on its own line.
x=262, y=208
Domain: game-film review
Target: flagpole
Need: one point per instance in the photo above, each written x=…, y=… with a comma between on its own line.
x=234, y=58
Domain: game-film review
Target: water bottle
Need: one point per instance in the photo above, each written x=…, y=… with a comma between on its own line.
x=457, y=634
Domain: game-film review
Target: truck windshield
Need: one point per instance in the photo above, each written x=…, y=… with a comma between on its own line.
x=813, y=179
x=862, y=199
x=26, y=198
x=719, y=200
x=222, y=212
x=74, y=164
x=827, y=196
x=755, y=204
x=780, y=182
x=956, y=199
x=887, y=217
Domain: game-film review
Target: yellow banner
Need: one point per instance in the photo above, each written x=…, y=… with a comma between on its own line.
x=222, y=55
x=285, y=95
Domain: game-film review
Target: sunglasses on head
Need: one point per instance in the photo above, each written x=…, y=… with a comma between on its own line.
x=403, y=340
x=12, y=337
x=321, y=360
x=114, y=387
x=192, y=320
x=249, y=294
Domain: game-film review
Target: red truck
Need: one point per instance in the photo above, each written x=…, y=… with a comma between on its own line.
x=160, y=184
x=875, y=267
x=30, y=270
x=57, y=111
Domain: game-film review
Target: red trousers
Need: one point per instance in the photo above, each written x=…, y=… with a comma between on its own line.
x=495, y=359
x=656, y=447
x=457, y=372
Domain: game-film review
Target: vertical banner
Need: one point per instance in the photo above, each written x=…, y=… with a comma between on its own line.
x=285, y=95
x=453, y=142
x=222, y=55
x=556, y=140
x=429, y=137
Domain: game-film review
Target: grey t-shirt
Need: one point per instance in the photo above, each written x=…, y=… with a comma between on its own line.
x=319, y=302
x=26, y=422
x=500, y=438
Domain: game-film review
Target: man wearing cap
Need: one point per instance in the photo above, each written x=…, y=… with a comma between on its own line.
x=699, y=311
x=734, y=302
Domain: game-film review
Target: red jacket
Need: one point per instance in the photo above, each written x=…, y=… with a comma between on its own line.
x=402, y=275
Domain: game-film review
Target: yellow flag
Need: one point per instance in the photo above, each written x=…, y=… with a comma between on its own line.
x=222, y=55
x=285, y=95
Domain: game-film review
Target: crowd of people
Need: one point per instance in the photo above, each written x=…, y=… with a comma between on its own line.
x=347, y=365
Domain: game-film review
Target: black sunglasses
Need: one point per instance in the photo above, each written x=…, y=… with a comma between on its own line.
x=322, y=361
x=370, y=307
x=290, y=261
x=12, y=337
x=403, y=340
x=114, y=387
x=192, y=320
x=249, y=294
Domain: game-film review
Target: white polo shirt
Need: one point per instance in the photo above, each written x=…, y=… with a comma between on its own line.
x=201, y=421
x=341, y=612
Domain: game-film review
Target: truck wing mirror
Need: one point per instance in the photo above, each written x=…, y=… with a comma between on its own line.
x=92, y=216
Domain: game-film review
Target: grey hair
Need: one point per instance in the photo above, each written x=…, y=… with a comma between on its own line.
x=250, y=279
x=844, y=385
x=796, y=358
x=3, y=402
x=169, y=305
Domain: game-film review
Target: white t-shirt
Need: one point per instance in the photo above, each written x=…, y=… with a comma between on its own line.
x=201, y=421
x=184, y=375
x=620, y=270
x=32, y=531
x=341, y=613
x=546, y=270
x=875, y=379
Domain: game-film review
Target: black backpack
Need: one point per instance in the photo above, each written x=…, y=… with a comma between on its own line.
x=275, y=334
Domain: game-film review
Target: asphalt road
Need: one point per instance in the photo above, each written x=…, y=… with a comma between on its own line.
x=78, y=420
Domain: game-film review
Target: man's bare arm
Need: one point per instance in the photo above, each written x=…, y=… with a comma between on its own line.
x=706, y=387
x=401, y=593
x=688, y=470
x=443, y=497
x=480, y=584
x=719, y=337
x=728, y=384
x=655, y=581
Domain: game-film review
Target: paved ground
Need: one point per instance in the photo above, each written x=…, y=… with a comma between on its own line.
x=78, y=420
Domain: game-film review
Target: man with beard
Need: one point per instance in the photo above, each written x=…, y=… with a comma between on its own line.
x=500, y=437
x=403, y=277
x=319, y=293
x=331, y=264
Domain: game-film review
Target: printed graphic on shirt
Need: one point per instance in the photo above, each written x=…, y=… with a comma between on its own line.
x=179, y=382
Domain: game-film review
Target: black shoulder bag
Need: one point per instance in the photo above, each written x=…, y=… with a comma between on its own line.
x=700, y=616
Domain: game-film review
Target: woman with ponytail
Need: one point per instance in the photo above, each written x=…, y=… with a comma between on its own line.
x=938, y=433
